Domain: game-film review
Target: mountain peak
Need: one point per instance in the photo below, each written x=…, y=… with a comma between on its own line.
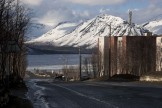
x=86, y=33
x=108, y=18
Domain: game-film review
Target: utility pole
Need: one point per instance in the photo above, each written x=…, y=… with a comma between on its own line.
x=80, y=63
x=110, y=51
x=66, y=73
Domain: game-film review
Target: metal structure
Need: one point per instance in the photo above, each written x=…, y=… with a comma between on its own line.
x=109, y=74
x=130, y=17
x=80, y=63
x=104, y=54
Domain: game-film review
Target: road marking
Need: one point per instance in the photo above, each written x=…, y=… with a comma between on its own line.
x=124, y=84
x=89, y=97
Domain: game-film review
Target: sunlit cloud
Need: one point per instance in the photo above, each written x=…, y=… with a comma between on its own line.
x=104, y=11
x=147, y=14
x=52, y=18
x=96, y=2
x=52, y=12
x=32, y=2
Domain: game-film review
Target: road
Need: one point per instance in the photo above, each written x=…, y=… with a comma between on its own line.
x=49, y=94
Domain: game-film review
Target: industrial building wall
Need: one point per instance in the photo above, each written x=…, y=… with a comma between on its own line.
x=119, y=54
x=151, y=52
x=113, y=55
x=140, y=54
x=133, y=54
x=159, y=53
x=129, y=55
x=103, y=56
x=106, y=55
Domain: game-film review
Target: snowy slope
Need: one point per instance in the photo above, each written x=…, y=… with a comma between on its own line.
x=87, y=33
x=154, y=26
x=60, y=30
x=36, y=30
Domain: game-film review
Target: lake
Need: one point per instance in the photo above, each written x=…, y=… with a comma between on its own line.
x=53, y=61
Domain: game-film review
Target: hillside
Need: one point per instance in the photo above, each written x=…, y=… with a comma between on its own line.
x=86, y=34
x=154, y=26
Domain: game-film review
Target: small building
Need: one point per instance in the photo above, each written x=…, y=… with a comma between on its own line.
x=71, y=74
x=128, y=55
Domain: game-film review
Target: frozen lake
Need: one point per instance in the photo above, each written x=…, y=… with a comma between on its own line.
x=53, y=62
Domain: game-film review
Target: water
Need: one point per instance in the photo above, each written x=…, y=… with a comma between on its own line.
x=54, y=61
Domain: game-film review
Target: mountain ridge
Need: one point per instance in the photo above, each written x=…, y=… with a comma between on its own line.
x=154, y=26
x=85, y=34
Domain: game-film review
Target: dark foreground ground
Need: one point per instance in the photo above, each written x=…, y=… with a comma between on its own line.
x=16, y=97
x=49, y=94
x=17, y=102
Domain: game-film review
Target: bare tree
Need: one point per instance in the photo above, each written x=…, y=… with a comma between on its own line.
x=14, y=20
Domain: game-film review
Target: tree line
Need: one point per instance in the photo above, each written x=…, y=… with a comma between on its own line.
x=14, y=22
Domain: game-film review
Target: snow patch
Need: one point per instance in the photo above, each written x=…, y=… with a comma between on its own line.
x=36, y=95
x=150, y=78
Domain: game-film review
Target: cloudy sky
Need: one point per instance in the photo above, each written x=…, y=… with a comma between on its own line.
x=51, y=12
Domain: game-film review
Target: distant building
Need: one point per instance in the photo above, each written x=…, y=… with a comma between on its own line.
x=129, y=55
x=71, y=74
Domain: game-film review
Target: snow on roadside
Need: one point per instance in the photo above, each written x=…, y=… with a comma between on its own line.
x=35, y=94
x=151, y=78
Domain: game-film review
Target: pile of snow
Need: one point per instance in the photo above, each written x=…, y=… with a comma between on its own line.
x=150, y=78
x=86, y=34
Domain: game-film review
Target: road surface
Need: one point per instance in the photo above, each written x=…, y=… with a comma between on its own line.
x=49, y=94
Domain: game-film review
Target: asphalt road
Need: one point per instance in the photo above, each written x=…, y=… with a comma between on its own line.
x=97, y=95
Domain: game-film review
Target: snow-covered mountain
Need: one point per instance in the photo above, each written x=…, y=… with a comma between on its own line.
x=36, y=30
x=55, y=34
x=86, y=34
x=154, y=26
